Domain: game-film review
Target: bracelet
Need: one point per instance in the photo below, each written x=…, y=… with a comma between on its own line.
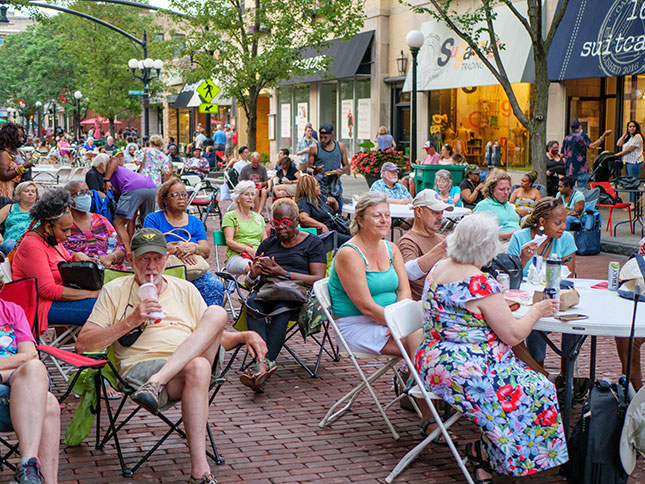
x=107, y=179
x=20, y=169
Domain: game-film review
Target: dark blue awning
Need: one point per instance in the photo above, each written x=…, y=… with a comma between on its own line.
x=599, y=38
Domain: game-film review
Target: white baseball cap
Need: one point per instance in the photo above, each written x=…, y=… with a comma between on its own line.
x=431, y=199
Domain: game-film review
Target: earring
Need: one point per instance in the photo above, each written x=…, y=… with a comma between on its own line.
x=541, y=229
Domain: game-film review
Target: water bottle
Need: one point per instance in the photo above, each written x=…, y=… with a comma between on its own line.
x=553, y=271
x=111, y=242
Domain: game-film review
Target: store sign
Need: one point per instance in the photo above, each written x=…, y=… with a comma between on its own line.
x=599, y=38
x=445, y=61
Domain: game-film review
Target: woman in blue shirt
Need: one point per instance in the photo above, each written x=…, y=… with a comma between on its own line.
x=547, y=218
x=190, y=238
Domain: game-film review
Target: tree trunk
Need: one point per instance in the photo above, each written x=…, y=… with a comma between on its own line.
x=537, y=130
x=252, y=118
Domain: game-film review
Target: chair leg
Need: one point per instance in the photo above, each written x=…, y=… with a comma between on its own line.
x=609, y=222
x=219, y=460
x=631, y=224
x=350, y=397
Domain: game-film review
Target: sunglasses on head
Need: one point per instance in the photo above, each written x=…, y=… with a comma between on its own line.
x=277, y=223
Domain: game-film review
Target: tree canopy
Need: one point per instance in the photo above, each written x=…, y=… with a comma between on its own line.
x=250, y=46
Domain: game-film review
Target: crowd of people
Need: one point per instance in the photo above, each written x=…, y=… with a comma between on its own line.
x=472, y=352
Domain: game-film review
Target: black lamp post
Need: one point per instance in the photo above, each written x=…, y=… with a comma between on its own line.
x=146, y=67
x=78, y=95
x=38, y=112
x=415, y=40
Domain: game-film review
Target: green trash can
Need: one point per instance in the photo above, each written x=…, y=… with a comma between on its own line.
x=424, y=175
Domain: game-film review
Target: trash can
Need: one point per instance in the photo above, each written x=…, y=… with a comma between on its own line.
x=424, y=175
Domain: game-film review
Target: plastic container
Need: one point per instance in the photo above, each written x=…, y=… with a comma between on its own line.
x=424, y=175
x=148, y=291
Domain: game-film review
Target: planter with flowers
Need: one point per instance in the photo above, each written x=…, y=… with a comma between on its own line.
x=369, y=162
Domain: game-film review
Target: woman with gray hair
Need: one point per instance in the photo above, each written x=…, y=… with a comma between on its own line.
x=368, y=274
x=466, y=358
x=243, y=229
x=443, y=186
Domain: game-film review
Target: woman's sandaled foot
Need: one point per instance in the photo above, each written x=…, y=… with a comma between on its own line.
x=481, y=469
x=261, y=378
x=257, y=381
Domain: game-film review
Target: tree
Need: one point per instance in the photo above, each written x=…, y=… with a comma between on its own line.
x=34, y=68
x=249, y=49
x=102, y=74
x=468, y=26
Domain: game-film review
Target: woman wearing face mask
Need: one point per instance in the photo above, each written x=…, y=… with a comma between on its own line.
x=13, y=166
x=38, y=254
x=92, y=236
x=555, y=167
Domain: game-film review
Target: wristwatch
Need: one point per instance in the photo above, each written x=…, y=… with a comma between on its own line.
x=288, y=275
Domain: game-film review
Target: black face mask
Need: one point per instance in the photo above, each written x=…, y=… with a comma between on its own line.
x=51, y=239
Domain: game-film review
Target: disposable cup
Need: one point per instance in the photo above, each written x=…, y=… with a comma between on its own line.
x=149, y=291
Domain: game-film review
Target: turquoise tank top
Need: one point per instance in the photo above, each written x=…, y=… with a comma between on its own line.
x=16, y=223
x=382, y=286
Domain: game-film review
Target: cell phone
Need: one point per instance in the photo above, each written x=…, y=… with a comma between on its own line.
x=571, y=317
x=35, y=155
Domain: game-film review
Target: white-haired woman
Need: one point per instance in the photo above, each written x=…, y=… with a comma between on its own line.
x=368, y=274
x=443, y=186
x=466, y=358
x=154, y=162
x=15, y=216
x=243, y=229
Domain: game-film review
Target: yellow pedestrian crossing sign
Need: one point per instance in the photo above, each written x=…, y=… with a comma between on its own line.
x=208, y=90
x=208, y=108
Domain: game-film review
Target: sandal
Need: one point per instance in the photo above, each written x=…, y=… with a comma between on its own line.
x=477, y=462
x=262, y=378
x=439, y=439
x=257, y=381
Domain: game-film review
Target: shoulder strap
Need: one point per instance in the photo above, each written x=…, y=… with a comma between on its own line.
x=389, y=248
x=181, y=237
x=357, y=250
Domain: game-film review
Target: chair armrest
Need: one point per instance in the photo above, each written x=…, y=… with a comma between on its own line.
x=74, y=359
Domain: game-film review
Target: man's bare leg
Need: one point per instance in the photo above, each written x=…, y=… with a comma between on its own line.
x=120, y=225
x=622, y=345
x=33, y=418
x=262, y=195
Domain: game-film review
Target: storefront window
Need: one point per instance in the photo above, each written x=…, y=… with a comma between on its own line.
x=293, y=114
x=634, y=101
x=469, y=118
x=285, y=134
x=345, y=132
x=328, y=107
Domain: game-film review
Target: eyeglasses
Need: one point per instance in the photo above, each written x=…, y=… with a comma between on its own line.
x=277, y=223
x=80, y=192
x=178, y=195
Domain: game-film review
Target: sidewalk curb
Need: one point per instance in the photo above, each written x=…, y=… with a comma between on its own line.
x=617, y=248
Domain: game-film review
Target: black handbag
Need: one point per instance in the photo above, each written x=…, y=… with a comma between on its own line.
x=84, y=274
x=339, y=223
x=509, y=264
x=275, y=289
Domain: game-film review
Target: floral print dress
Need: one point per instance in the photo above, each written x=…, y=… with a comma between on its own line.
x=154, y=164
x=467, y=365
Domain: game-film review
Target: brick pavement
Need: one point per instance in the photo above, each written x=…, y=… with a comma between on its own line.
x=275, y=437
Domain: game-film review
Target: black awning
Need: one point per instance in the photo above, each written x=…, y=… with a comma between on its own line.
x=598, y=39
x=349, y=57
x=183, y=98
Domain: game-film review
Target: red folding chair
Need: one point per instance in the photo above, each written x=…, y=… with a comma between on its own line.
x=606, y=186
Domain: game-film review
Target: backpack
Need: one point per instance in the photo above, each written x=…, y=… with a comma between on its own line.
x=593, y=444
x=606, y=198
x=509, y=264
x=105, y=206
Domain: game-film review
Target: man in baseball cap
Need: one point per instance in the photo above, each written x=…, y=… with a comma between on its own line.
x=328, y=161
x=166, y=357
x=432, y=157
x=423, y=246
x=389, y=184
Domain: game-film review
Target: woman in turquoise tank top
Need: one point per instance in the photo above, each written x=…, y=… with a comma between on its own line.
x=368, y=274
x=15, y=216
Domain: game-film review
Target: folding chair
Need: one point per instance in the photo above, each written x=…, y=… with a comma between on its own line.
x=204, y=198
x=404, y=318
x=321, y=289
x=118, y=419
x=229, y=286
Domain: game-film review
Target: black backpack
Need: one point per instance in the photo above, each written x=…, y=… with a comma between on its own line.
x=509, y=264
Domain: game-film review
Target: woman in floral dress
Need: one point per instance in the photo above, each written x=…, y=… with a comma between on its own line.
x=467, y=359
x=154, y=162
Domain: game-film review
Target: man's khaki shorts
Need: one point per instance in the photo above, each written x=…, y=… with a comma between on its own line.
x=141, y=373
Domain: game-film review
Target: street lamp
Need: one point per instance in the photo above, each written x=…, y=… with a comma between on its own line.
x=38, y=106
x=402, y=63
x=146, y=66
x=78, y=95
x=415, y=40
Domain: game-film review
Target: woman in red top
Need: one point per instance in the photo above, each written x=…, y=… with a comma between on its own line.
x=38, y=255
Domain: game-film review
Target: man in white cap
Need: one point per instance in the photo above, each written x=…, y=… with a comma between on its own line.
x=632, y=438
x=432, y=157
x=389, y=184
x=423, y=246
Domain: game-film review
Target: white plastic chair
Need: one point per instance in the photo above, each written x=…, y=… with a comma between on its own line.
x=131, y=166
x=321, y=289
x=177, y=167
x=404, y=318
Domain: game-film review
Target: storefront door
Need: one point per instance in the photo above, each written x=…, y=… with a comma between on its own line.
x=401, y=118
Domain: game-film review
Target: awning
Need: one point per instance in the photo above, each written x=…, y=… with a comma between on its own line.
x=446, y=62
x=599, y=38
x=188, y=97
x=349, y=56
